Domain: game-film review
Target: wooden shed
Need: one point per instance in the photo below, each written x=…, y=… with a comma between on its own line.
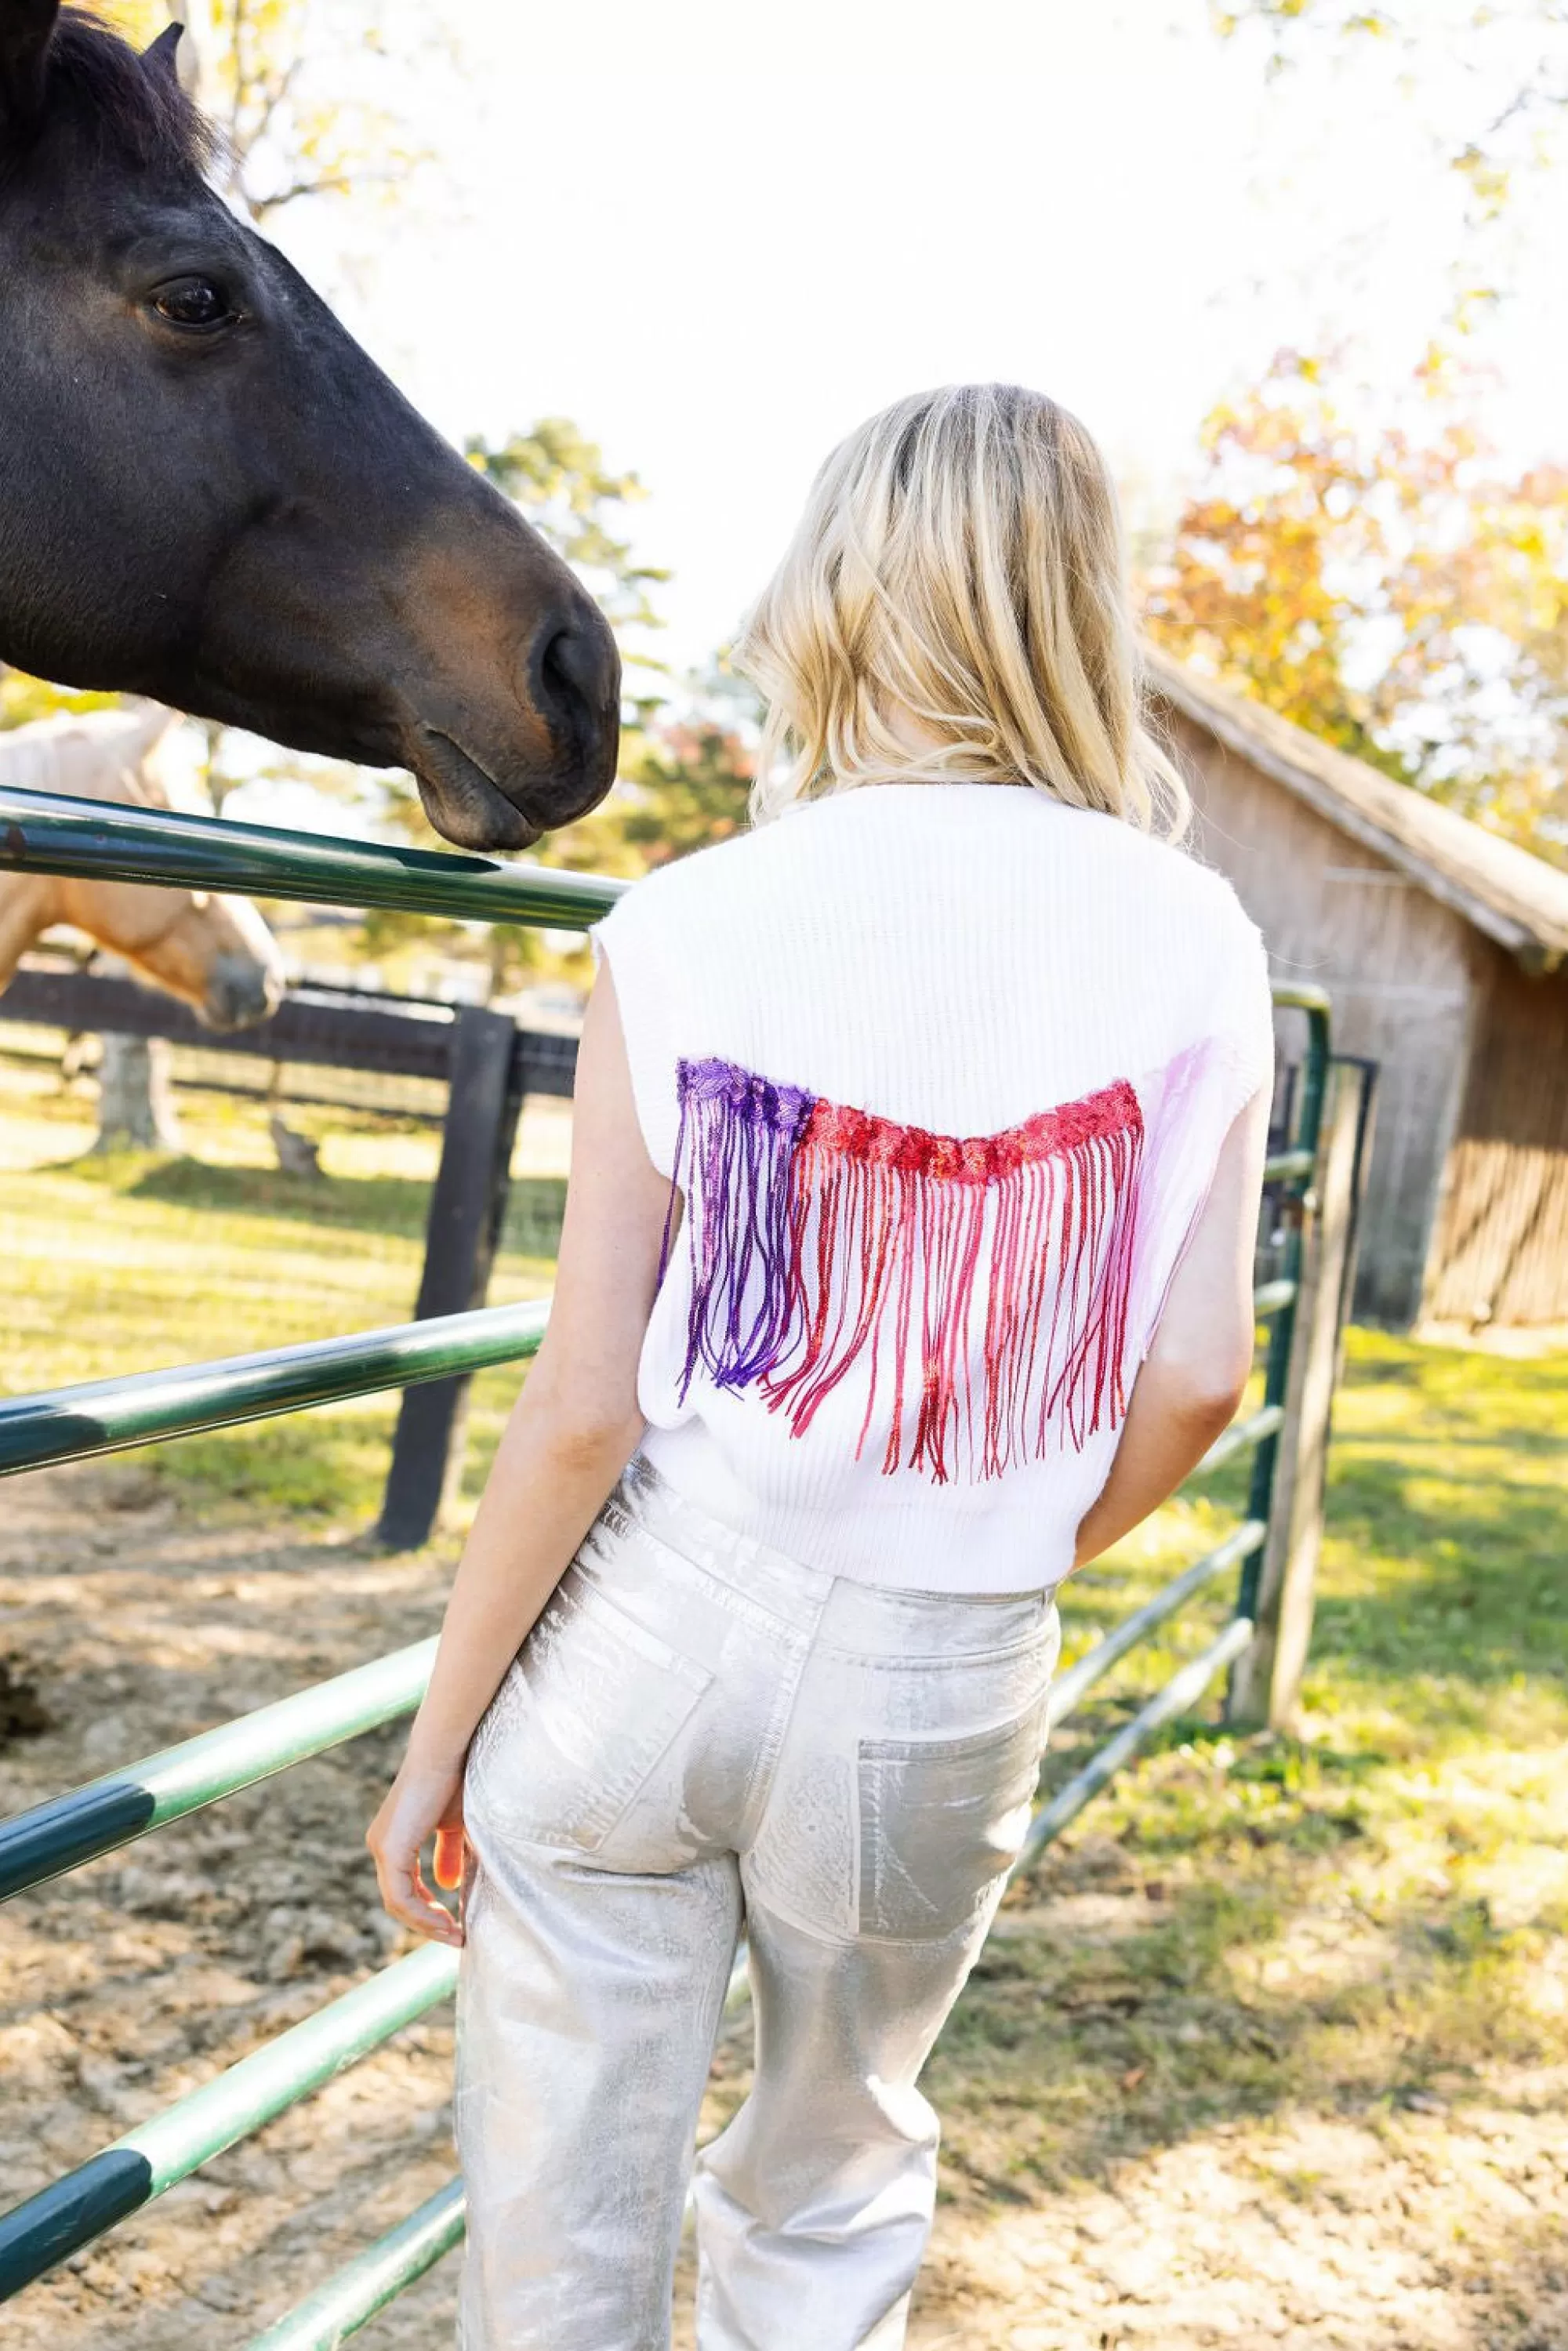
x=1446, y=951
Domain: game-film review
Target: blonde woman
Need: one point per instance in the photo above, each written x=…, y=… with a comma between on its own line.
x=906, y=1266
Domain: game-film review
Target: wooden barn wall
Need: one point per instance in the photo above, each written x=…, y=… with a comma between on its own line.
x=1500, y=1250
x=1401, y=968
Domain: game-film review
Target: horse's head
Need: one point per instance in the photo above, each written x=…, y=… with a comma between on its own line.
x=215, y=953
x=211, y=496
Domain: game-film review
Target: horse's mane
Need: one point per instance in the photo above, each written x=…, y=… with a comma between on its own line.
x=146, y=116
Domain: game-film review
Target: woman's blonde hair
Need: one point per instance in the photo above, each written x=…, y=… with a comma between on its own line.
x=959, y=559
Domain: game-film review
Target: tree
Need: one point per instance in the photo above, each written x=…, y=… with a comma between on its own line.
x=1378, y=581
x=1508, y=109
x=688, y=786
x=286, y=82
x=557, y=477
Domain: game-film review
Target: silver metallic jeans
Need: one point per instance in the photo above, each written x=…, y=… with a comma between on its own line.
x=701, y=1735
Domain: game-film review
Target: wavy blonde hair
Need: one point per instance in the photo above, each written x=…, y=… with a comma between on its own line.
x=960, y=560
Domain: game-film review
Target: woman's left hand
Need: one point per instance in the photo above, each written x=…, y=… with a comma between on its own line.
x=425, y=1799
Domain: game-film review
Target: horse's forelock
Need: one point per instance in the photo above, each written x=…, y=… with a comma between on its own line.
x=147, y=117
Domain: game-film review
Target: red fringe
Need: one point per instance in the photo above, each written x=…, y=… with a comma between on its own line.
x=894, y=1230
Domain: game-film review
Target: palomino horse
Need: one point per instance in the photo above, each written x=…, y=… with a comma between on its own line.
x=215, y=953
x=210, y=496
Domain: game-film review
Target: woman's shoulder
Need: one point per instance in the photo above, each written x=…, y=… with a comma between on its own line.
x=836, y=854
x=1159, y=872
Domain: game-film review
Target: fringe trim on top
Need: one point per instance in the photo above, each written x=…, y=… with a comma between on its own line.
x=984, y=1280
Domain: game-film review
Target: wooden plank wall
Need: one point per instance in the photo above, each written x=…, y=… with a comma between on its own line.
x=1405, y=973
x=1500, y=1253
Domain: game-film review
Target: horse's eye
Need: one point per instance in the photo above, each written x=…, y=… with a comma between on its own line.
x=194, y=302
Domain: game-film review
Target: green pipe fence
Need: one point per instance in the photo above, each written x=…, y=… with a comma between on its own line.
x=371, y=2280
x=1314, y=1003
x=1183, y=1690
x=108, y=1416
x=46, y=834
x=141, y=2166
x=115, y=1811
x=1069, y=1688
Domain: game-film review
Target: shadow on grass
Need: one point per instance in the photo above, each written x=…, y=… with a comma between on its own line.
x=1475, y=1594
x=379, y=1204
x=1117, y=2047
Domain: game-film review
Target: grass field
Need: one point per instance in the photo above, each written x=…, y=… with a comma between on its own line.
x=1332, y=1970
x=129, y=1264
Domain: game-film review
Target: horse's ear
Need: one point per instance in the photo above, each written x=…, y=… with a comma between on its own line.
x=161, y=62
x=26, y=28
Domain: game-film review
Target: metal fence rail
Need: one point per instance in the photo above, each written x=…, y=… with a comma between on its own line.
x=107, y=1416
x=50, y=834
x=1183, y=1690
x=140, y=2165
x=46, y=833
x=366, y=2284
x=115, y=1811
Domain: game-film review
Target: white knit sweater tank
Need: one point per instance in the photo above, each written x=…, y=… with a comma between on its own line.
x=940, y=1074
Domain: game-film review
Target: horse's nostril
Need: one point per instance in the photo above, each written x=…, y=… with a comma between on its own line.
x=580, y=670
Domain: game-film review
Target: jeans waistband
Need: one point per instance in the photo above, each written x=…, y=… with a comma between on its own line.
x=876, y=1616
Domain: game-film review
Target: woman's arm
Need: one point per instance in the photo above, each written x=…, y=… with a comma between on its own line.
x=571, y=1433
x=1193, y=1376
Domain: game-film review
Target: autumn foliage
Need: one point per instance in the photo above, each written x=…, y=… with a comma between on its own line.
x=1381, y=581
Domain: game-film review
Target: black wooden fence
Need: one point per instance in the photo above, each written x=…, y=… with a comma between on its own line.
x=487, y=1063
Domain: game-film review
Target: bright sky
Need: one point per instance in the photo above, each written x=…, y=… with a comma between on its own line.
x=718, y=236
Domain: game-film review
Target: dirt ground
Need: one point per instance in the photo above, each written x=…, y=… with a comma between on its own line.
x=1073, y=2217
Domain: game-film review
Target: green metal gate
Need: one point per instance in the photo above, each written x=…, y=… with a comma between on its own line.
x=50, y=834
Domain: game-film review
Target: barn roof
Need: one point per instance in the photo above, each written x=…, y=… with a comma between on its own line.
x=1515, y=898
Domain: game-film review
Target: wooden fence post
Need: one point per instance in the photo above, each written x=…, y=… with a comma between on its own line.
x=485, y=1078
x=1266, y=1684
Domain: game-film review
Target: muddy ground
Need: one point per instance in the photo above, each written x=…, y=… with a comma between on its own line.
x=1435, y=2224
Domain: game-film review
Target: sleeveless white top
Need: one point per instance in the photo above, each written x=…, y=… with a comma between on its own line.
x=940, y=1074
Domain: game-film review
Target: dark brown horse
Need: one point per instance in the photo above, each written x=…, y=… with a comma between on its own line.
x=210, y=496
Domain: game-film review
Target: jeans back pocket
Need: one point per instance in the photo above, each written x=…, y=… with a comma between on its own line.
x=941, y=1820
x=581, y=1721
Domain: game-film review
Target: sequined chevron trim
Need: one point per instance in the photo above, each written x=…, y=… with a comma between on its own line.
x=983, y=1281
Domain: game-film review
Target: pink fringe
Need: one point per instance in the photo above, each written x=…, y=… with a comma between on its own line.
x=984, y=1280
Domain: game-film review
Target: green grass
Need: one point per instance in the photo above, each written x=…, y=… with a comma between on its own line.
x=1373, y=1912
x=135, y=1261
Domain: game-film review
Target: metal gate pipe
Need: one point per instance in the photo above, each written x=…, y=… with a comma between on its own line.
x=1183, y=1690
x=111, y=2184
x=352, y=2297
x=1314, y=1003
x=98, y=1417
x=1286, y=1166
x=50, y=832
x=107, y=1416
x=1238, y=1436
x=114, y=1810
x=1069, y=1688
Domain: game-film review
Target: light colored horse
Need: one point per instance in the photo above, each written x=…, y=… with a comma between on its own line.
x=215, y=953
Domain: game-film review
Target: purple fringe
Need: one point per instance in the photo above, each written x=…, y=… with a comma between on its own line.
x=733, y=1153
